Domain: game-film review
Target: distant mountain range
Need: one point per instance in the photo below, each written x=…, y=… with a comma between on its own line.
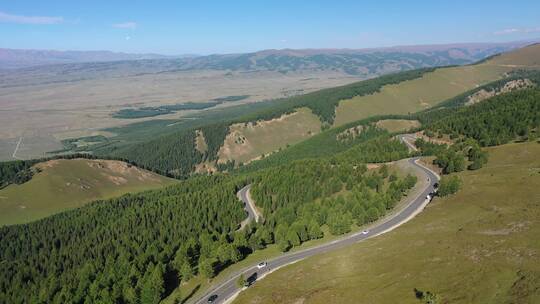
x=36, y=67
x=13, y=58
x=351, y=61
x=358, y=62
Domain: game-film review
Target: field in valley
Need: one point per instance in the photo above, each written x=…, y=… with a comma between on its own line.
x=67, y=184
x=478, y=246
x=46, y=113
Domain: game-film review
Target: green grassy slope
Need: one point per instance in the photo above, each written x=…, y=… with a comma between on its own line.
x=66, y=184
x=418, y=94
x=479, y=246
x=247, y=142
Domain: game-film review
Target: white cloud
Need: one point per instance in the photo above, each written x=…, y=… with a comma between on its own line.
x=126, y=25
x=510, y=31
x=8, y=18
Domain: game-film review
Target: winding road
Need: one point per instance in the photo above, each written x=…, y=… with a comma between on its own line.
x=253, y=214
x=226, y=291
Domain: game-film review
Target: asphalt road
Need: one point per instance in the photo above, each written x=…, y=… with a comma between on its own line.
x=228, y=289
x=248, y=205
x=408, y=139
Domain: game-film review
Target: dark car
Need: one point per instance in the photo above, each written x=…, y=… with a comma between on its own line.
x=212, y=298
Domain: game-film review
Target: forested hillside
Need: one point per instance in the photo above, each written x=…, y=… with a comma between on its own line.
x=138, y=247
x=115, y=251
x=494, y=121
x=287, y=196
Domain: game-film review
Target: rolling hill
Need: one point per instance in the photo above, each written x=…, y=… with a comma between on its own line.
x=65, y=184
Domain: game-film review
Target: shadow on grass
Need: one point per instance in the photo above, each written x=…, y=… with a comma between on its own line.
x=191, y=294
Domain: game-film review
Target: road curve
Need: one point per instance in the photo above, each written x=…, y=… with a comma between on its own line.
x=416, y=204
x=243, y=195
x=407, y=139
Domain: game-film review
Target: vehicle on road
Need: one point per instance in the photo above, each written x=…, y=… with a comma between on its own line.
x=251, y=279
x=261, y=265
x=365, y=232
x=212, y=298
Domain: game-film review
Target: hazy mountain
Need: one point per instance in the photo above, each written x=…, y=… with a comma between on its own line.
x=361, y=63
x=16, y=58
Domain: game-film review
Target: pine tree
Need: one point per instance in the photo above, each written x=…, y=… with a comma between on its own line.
x=293, y=238
x=315, y=231
x=186, y=272
x=206, y=268
x=152, y=287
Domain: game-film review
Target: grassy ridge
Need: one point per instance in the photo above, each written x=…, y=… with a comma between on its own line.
x=65, y=184
x=418, y=94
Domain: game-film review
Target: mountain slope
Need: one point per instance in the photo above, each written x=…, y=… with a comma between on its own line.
x=482, y=240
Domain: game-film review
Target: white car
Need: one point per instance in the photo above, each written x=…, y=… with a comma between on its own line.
x=261, y=265
x=365, y=232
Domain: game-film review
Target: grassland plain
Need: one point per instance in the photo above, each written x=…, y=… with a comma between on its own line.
x=480, y=245
x=79, y=107
x=246, y=142
x=66, y=184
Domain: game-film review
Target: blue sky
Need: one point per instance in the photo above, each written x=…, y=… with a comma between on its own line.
x=203, y=27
